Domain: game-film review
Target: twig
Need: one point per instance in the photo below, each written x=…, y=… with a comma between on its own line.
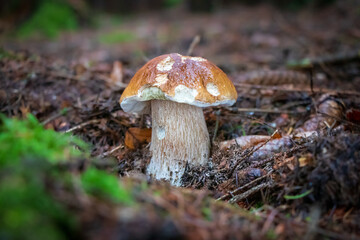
x=83, y=125
x=269, y=220
x=337, y=58
x=193, y=44
x=217, y=113
x=255, y=189
x=63, y=112
x=105, y=154
x=277, y=88
x=340, y=120
x=262, y=110
x=251, y=152
x=234, y=192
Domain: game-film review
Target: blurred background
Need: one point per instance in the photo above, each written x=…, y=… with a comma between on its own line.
x=237, y=34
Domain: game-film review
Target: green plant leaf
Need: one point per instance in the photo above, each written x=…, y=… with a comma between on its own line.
x=288, y=197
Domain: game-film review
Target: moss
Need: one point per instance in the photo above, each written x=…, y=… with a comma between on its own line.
x=103, y=185
x=49, y=20
x=27, y=155
x=117, y=37
x=29, y=168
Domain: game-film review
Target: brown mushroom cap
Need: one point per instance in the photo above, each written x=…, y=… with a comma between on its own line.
x=182, y=79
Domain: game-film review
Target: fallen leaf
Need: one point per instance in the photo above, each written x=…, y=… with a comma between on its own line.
x=276, y=135
x=117, y=75
x=136, y=136
x=79, y=69
x=353, y=115
x=25, y=110
x=244, y=141
x=305, y=160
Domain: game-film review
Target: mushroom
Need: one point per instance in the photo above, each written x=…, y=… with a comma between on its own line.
x=175, y=88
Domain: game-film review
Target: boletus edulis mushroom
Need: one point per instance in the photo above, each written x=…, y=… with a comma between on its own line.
x=175, y=88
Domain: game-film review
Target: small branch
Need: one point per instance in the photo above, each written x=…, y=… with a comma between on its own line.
x=234, y=109
x=253, y=190
x=340, y=120
x=293, y=89
x=83, y=125
x=217, y=113
x=105, y=154
x=62, y=112
x=234, y=192
x=193, y=44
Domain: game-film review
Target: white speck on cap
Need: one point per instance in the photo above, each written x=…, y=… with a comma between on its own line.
x=161, y=79
x=196, y=59
x=149, y=93
x=212, y=89
x=184, y=94
x=166, y=64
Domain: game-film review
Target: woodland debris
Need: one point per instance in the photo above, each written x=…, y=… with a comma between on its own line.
x=117, y=76
x=136, y=136
x=243, y=141
x=337, y=58
x=273, y=77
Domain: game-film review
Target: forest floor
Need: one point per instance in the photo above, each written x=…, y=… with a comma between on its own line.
x=294, y=171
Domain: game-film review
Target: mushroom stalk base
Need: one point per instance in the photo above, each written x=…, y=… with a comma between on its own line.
x=179, y=136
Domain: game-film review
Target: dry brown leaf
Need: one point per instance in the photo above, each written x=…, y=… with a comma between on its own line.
x=117, y=75
x=79, y=69
x=244, y=141
x=136, y=136
x=25, y=110
x=353, y=115
x=332, y=108
x=276, y=135
x=305, y=160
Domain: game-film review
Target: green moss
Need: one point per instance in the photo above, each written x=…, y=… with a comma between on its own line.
x=49, y=20
x=100, y=184
x=172, y=3
x=28, y=139
x=117, y=37
x=206, y=211
x=28, y=153
x=271, y=234
x=29, y=160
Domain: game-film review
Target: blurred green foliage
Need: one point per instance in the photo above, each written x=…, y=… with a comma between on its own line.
x=172, y=3
x=117, y=37
x=50, y=18
x=29, y=166
x=28, y=139
x=27, y=155
x=99, y=183
x=7, y=54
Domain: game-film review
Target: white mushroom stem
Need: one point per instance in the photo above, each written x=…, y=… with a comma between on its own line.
x=179, y=136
